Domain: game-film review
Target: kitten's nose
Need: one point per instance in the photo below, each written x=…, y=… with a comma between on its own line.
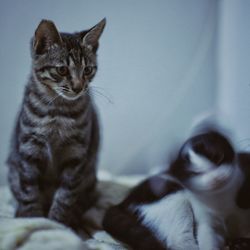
x=77, y=86
x=77, y=89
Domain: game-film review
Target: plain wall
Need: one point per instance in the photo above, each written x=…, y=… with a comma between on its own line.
x=234, y=68
x=157, y=65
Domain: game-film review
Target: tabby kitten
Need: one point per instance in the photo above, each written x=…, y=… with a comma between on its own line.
x=52, y=162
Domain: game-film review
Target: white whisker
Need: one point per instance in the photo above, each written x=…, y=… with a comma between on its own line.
x=97, y=87
x=63, y=89
x=95, y=91
x=52, y=100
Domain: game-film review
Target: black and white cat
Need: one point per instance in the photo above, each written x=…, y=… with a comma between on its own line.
x=198, y=203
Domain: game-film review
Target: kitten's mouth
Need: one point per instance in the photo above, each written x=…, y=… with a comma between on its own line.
x=70, y=95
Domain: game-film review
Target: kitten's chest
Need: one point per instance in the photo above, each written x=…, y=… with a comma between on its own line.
x=58, y=133
x=59, y=127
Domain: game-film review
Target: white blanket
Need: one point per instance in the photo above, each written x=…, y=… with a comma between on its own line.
x=41, y=233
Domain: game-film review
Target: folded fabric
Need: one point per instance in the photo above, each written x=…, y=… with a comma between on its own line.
x=42, y=233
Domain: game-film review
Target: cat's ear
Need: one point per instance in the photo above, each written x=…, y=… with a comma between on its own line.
x=45, y=36
x=91, y=37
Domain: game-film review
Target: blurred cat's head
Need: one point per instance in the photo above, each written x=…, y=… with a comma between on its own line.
x=65, y=63
x=206, y=162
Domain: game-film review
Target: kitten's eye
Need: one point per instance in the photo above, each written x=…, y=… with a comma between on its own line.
x=88, y=70
x=63, y=70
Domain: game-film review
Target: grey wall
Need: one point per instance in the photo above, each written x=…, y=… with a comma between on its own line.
x=234, y=68
x=157, y=65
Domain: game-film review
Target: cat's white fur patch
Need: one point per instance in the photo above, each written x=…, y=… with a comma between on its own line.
x=199, y=163
x=171, y=218
x=211, y=177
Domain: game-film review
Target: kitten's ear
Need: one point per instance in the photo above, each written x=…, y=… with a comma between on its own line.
x=91, y=37
x=45, y=36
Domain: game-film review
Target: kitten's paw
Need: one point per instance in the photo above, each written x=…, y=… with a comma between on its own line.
x=65, y=217
x=31, y=210
x=56, y=215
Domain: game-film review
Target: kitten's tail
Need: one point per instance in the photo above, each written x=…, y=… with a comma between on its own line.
x=126, y=227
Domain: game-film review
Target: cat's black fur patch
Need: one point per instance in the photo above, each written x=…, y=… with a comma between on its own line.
x=125, y=224
x=243, y=196
x=151, y=190
x=127, y=227
x=239, y=244
x=213, y=146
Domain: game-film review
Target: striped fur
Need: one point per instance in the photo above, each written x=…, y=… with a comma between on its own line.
x=52, y=161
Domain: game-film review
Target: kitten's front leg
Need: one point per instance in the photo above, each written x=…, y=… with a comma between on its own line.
x=64, y=208
x=71, y=201
x=24, y=174
x=74, y=195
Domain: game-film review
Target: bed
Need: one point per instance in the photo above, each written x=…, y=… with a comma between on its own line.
x=41, y=233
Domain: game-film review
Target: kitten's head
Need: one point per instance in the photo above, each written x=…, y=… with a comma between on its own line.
x=65, y=63
x=206, y=162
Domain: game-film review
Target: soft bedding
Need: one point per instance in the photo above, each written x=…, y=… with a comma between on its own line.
x=41, y=233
